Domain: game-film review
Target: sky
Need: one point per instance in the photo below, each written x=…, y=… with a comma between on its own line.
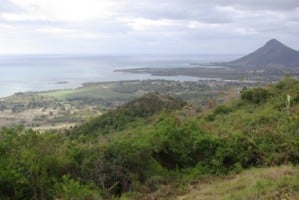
x=145, y=26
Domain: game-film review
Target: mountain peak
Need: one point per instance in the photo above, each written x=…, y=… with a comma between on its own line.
x=272, y=54
x=274, y=43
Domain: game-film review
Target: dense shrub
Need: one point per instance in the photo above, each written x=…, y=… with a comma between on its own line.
x=121, y=117
x=72, y=189
x=37, y=165
x=174, y=147
x=222, y=109
x=219, y=110
x=255, y=95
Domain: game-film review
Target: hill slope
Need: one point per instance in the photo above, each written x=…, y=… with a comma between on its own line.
x=272, y=54
x=163, y=150
x=118, y=118
x=264, y=183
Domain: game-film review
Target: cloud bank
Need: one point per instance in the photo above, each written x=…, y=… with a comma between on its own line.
x=145, y=26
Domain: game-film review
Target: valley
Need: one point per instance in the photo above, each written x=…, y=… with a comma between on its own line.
x=158, y=146
x=233, y=134
x=149, y=100
x=64, y=108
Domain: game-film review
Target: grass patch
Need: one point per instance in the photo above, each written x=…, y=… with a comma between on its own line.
x=85, y=92
x=59, y=94
x=263, y=183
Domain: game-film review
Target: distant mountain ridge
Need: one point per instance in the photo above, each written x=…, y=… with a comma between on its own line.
x=272, y=54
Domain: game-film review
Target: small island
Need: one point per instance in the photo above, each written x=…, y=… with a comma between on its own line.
x=62, y=82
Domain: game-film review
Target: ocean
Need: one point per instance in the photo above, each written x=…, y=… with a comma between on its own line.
x=22, y=73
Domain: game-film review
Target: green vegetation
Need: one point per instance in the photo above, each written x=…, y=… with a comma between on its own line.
x=139, y=150
x=90, y=91
x=63, y=108
x=262, y=183
x=111, y=94
x=119, y=118
x=36, y=110
x=255, y=95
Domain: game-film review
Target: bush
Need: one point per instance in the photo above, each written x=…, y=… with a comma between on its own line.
x=72, y=189
x=222, y=109
x=255, y=95
x=174, y=146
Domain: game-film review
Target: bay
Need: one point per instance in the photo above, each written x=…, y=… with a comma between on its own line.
x=21, y=73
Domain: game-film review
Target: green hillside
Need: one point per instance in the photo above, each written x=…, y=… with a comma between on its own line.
x=151, y=148
x=259, y=183
x=122, y=117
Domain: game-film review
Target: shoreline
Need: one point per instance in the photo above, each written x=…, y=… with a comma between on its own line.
x=88, y=84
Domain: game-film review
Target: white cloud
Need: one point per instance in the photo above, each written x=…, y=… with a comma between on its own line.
x=141, y=24
x=70, y=33
x=63, y=10
x=145, y=25
x=13, y=40
x=6, y=26
x=202, y=25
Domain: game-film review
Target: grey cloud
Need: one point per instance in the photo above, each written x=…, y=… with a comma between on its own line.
x=266, y=4
x=177, y=10
x=250, y=22
x=5, y=5
x=202, y=10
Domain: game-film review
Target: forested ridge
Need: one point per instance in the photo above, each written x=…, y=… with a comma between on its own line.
x=150, y=143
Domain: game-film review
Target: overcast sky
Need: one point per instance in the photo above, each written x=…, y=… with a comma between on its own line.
x=145, y=26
